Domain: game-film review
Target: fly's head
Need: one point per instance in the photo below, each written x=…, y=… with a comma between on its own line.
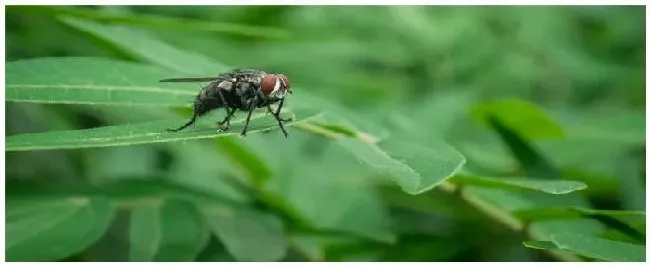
x=275, y=86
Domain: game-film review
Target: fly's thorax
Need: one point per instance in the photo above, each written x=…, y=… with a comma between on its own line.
x=226, y=84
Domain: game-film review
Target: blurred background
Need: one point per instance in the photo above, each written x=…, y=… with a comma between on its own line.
x=402, y=71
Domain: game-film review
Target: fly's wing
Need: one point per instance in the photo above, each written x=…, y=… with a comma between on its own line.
x=204, y=79
x=219, y=78
x=234, y=73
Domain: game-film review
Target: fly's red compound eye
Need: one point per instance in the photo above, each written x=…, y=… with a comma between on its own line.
x=268, y=84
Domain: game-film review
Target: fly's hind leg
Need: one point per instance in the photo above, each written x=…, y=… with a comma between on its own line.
x=191, y=122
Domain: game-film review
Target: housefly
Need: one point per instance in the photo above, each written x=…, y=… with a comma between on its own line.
x=239, y=89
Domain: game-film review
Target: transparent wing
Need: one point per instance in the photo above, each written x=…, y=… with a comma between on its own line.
x=204, y=79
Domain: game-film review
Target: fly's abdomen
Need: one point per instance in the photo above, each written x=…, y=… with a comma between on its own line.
x=207, y=100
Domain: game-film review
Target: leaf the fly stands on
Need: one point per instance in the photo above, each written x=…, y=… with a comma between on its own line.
x=170, y=230
x=247, y=234
x=413, y=167
x=50, y=229
x=546, y=186
x=152, y=132
x=93, y=81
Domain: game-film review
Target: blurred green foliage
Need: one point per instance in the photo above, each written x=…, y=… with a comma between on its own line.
x=423, y=134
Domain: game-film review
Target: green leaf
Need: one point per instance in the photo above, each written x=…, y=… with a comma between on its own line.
x=170, y=230
x=154, y=21
x=413, y=167
x=332, y=198
x=122, y=191
x=198, y=166
x=619, y=220
x=544, y=245
x=610, y=126
x=592, y=247
x=143, y=45
x=532, y=162
x=631, y=171
x=52, y=228
x=153, y=132
x=310, y=246
x=247, y=234
x=244, y=159
x=598, y=248
x=574, y=212
x=546, y=186
x=93, y=81
x=439, y=204
x=526, y=119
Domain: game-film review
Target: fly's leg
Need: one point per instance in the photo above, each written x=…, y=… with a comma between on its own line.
x=248, y=118
x=277, y=112
x=278, y=118
x=184, y=126
x=189, y=123
x=230, y=113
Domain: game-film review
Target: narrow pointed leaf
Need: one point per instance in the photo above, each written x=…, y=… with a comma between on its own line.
x=152, y=132
x=546, y=186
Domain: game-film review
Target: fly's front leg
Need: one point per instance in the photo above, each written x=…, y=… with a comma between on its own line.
x=277, y=118
x=277, y=112
x=251, y=106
